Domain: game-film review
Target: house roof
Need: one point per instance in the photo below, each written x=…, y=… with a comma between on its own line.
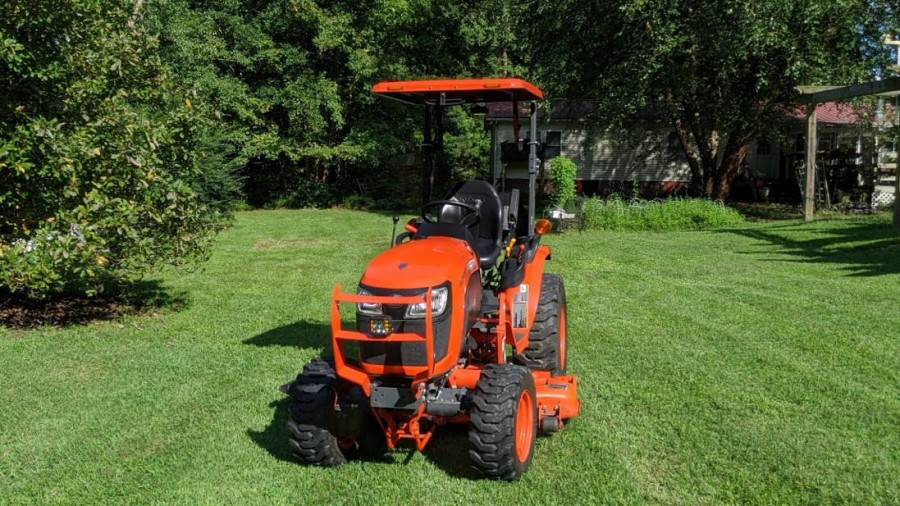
x=833, y=112
x=566, y=110
x=559, y=110
x=830, y=112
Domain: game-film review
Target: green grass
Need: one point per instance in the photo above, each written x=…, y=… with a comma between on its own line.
x=752, y=365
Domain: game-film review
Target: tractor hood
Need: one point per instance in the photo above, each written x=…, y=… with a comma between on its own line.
x=421, y=263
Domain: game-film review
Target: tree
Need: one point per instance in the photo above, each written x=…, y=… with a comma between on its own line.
x=722, y=73
x=289, y=82
x=99, y=177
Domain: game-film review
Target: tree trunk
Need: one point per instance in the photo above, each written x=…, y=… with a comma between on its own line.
x=688, y=147
x=735, y=151
x=692, y=157
x=709, y=185
x=710, y=176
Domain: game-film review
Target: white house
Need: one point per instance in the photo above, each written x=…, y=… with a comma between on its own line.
x=651, y=155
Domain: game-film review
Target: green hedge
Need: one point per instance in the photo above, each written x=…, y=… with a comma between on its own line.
x=677, y=214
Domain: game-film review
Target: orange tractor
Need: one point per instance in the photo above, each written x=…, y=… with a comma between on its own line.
x=457, y=322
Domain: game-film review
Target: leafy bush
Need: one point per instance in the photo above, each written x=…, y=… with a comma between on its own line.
x=99, y=175
x=561, y=177
x=358, y=202
x=670, y=215
x=313, y=193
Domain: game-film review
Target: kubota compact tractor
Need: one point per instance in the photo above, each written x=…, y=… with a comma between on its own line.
x=457, y=322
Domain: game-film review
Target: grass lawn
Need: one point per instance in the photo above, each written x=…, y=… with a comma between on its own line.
x=753, y=365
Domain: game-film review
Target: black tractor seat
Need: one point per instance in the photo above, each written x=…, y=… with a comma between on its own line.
x=488, y=230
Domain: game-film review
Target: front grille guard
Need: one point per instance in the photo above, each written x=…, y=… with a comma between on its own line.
x=356, y=374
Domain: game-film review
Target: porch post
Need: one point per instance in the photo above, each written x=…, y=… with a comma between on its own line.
x=809, y=196
x=897, y=159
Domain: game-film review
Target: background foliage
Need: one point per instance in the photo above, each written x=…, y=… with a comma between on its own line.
x=99, y=172
x=561, y=177
x=127, y=128
x=721, y=73
x=290, y=81
x=670, y=215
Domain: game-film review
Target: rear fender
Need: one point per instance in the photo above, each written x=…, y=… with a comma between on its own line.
x=522, y=301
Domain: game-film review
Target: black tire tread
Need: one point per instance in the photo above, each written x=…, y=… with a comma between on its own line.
x=492, y=420
x=311, y=404
x=543, y=340
x=314, y=445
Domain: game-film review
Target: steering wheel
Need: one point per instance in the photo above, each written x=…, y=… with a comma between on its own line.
x=469, y=218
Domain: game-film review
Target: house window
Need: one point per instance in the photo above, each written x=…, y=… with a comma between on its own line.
x=552, y=145
x=763, y=146
x=827, y=141
x=673, y=143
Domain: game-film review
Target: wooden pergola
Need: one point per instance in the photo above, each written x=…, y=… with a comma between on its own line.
x=811, y=96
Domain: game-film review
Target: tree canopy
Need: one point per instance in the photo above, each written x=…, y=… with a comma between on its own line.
x=722, y=73
x=290, y=81
x=129, y=128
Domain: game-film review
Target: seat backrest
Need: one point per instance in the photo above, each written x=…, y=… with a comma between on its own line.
x=488, y=232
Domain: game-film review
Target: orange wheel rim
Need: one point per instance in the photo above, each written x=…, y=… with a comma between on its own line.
x=524, y=425
x=562, y=338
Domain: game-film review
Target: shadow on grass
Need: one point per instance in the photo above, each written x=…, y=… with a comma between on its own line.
x=755, y=211
x=274, y=437
x=864, y=249
x=447, y=450
x=63, y=310
x=300, y=334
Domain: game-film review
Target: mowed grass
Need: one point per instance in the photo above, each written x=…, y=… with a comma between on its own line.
x=752, y=365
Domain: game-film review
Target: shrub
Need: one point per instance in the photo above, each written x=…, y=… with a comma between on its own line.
x=99, y=177
x=358, y=202
x=670, y=215
x=313, y=193
x=561, y=177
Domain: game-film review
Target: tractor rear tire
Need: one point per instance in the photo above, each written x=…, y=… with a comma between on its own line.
x=312, y=398
x=547, y=340
x=503, y=422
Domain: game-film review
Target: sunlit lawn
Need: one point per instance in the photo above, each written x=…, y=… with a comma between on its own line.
x=760, y=365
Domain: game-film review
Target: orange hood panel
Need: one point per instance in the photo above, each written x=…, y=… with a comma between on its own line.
x=420, y=263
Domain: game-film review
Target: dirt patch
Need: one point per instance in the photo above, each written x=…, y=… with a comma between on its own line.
x=759, y=211
x=145, y=297
x=22, y=314
x=269, y=243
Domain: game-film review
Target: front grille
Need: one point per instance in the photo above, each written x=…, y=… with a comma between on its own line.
x=405, y=353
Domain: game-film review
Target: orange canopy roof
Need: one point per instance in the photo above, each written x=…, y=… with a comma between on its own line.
x=459, y=91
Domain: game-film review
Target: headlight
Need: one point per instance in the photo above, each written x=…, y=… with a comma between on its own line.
x=438, y=304
x=368, y=308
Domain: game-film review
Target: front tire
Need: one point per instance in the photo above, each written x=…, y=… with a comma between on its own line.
x=312, y=415
x=503, y=422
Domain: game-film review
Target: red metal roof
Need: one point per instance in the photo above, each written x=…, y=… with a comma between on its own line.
x=457, y=91
x=832, y=112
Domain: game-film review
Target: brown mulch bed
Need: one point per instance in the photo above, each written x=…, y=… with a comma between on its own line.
x=756, y=211
x=22, y=314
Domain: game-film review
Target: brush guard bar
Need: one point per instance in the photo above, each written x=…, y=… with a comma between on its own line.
x=356, y=374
